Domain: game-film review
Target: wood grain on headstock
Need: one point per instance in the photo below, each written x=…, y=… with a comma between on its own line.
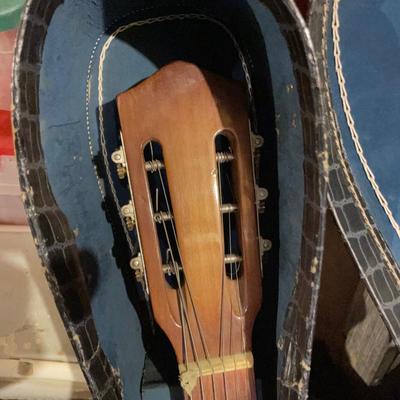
x=183, y=108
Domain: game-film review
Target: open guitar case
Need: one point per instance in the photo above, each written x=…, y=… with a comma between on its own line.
x=72, y=195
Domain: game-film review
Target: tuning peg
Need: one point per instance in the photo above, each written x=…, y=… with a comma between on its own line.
x=136, y=264
x=154, y=166
x=232, y=259
x=261, y=194
x=129, y=215
x=162, y=216
x=265, y=245
x=257, y=140
x=228, y=208
x=171, y=268
x=118, y=157
x=224, y=157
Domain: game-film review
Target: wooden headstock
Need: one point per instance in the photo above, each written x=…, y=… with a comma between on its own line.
x=188, y=152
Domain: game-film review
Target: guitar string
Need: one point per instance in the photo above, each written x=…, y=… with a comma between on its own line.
x=221, y=342
x=230, y=319
x=183, y=303
x=236, y=269
x=205, y=349
x=230, y=344
x=182, y=308
x=247, y=383
x=169, y=252
x=183, y=317
x=185, y=312
x=237, y=291
x=181, y=313
x=182, y=295
x=182, y=299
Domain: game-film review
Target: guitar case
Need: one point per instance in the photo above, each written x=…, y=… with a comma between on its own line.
x=73, y=55
x=358, y=54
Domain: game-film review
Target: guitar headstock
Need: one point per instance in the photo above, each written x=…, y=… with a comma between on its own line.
x=188, y=151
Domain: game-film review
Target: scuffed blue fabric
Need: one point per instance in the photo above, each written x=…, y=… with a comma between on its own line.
x=290, y=158
x=370, y=54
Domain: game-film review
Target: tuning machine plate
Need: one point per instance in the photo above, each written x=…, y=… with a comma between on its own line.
x=137, y=265
x=261, y=197
x=129, y=216
x=118, y=157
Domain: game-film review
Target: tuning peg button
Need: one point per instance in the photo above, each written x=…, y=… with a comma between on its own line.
x=262, y=193
x=265, y=245
x=136, y=264
x=257, y=141
x=129, y=216
x=118, y=157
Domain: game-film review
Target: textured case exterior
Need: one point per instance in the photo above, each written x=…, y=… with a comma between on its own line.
x=357, y=211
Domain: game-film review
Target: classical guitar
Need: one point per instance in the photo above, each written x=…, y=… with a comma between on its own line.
x=188, y=155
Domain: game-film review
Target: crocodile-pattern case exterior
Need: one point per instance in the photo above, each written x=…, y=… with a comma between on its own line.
x=296, y=341
x=52, y=234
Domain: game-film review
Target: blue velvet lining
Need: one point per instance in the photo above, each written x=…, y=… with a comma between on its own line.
x=65, y=145
x=290, y=157
x=370, y=47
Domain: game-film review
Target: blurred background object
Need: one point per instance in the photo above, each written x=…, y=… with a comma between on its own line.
x=10, y=11
x=11, y=209
x=36, y=357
